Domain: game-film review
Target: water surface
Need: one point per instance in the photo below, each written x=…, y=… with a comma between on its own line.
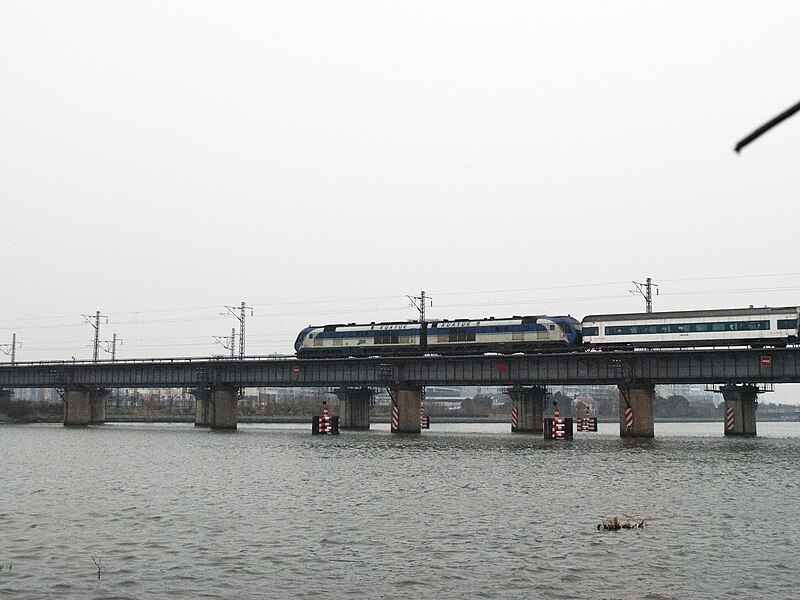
x=462, y=510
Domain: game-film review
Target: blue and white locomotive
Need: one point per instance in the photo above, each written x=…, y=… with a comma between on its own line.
x=461, y=336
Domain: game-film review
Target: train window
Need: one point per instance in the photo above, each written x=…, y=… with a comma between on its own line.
x=591, y=331
x=462, y=334
x=787, y=323
x=387, y=337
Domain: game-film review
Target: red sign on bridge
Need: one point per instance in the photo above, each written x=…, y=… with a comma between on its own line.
x=766, y=361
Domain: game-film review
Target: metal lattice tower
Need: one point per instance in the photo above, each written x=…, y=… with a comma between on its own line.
x=419, y=303
x=96, y=326
x=11, y=349
x=646, y=291
x=241, y=318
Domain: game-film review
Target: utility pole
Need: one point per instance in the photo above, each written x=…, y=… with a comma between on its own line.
x=111, y=347
x=241, y=316
x=96, y=326
x=646, y=291
x=11, y=349
x=229, y=343
x=419, y=303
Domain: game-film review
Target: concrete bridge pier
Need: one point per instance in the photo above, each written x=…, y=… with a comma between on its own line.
x=224, y=407
x=527, y=408
x=406, y=402
x=216, y=406
x=84, y=406
x=354, y=406
x=97, y=406
x=740, y=409
x=202, y=407
x=77, y=406
x=636, y=409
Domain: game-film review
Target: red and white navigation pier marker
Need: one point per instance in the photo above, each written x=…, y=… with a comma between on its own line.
x=424, y=420
x=587, y=423
x=514, y=418
x=557, y=428
x=325, y=424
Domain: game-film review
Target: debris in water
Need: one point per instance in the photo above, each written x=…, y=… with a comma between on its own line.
x=614, y=524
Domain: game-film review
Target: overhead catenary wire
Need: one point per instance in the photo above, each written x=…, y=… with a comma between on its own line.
x=398, y=297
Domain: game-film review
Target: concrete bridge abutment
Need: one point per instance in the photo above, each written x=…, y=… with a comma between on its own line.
x=354, y=406
x=636, y=409
x=740, y=409
x=406, y=403
x=527, y=408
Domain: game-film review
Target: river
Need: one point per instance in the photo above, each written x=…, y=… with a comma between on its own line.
x=460, y=511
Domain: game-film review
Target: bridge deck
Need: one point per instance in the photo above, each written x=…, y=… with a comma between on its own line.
x=587, y=368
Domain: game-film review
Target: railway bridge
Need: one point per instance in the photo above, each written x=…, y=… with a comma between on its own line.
x=739, y=373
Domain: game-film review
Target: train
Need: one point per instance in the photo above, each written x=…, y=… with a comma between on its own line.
x=753, y=327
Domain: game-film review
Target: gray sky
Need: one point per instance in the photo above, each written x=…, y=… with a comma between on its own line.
x=321, y=160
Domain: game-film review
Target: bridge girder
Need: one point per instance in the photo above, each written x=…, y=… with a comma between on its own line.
x=779, y=365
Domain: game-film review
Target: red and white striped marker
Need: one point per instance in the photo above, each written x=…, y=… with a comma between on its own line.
x=324, y=420
x=559, y=428
x=729, y=419
x=629, y=417
x=583, y=423
x=513, y=417
x=395, y=416
x=424, y=422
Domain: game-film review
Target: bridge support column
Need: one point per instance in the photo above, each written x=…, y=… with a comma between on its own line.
x=636, y=409
x=354, y=407
x=224, y=404
x=202, y=407
x=77, y=407
x=527, y=408
x=740, y=409
x=97, y=406
x=406, y=402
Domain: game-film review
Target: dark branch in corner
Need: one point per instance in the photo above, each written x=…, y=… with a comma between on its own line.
x=767, y=126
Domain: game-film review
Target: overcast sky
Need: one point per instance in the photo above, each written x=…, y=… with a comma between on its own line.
x=321, y=160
